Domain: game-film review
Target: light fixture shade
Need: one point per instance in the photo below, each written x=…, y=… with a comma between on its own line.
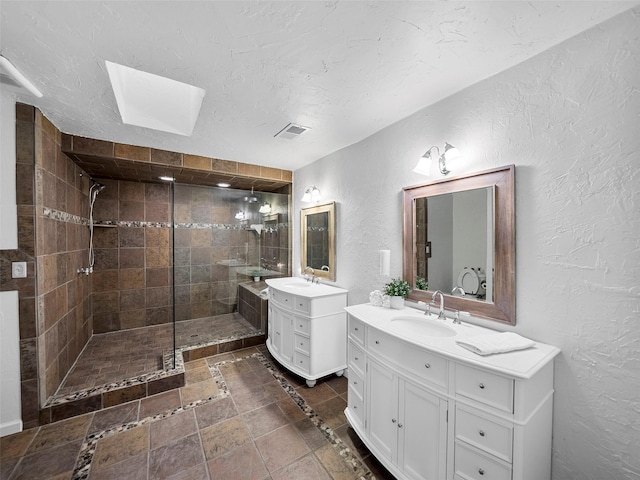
x=265, y=208
x=311, y=194
x=424, y=165
x=315, y=194
x=451, y=153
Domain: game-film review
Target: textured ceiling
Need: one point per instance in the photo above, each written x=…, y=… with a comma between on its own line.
x=344, y=69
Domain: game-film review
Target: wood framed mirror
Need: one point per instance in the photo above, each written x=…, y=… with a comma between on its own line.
x=318, y=240
x=461, y=230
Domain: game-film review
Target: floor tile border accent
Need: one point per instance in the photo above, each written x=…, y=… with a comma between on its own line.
x=88, y=449
x=343, y=450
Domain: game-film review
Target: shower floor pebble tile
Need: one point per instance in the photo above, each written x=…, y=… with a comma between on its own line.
x=250, y=422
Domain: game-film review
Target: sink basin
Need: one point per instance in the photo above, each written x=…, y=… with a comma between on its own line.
x=422, y=326
x=297, y=285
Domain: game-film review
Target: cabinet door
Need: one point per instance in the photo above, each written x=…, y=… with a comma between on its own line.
x=281, y=332
x=422, y=426
x=383, y=409
x=287, y=336
x=275, y=328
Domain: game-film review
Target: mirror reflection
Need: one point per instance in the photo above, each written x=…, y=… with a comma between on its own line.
x=454, y=243
x=318, y=240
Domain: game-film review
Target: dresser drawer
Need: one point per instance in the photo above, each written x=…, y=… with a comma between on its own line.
x=470, y=464
x=302, y=325
x=302, y=343
x=356, y=330
x=413, y=360
x=302, y=361
x=485, y=387
x=357, y=359
x=484, y=432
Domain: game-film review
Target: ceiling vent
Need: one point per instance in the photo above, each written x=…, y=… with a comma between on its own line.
x=291, y=131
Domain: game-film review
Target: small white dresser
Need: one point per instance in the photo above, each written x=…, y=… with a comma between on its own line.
x=307, y=331
x=430, y=409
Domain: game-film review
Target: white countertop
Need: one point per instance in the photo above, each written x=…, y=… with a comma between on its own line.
x=519, y=364
x=302, y=288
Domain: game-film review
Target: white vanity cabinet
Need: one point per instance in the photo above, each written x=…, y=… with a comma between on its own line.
x=429, y=409
x=307, y=327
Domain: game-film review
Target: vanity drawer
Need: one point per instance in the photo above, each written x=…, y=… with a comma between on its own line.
x=302, y=361
x=357, y=359
x=486, y=433
x=302, y=325
x=302, y=304
x=356, y=330
x=485, y=387
x=282, y=298
x=356, y=384
x=302, y=343
x=356, y=405
x=470, y=464
x=414, y=360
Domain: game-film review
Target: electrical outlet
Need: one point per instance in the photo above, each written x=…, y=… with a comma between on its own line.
x=19, y=270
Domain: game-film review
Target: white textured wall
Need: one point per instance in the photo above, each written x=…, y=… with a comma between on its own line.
x=569, y=119
x=10, y=413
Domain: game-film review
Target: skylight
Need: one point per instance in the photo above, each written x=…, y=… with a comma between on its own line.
x=155, y=102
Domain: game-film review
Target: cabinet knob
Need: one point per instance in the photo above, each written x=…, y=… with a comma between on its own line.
x=277, y=333
x=355, y=358
x=393, y=420
x=481, y=471
x=481, y=386
x=355, y=328
x=427, y=365
x=377, y=342
x=481, y=433
x=399, y=425
x=355, y=407
x=355, y=383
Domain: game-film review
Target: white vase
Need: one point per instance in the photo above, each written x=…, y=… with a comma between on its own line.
x=396, y=302
x=256, y=279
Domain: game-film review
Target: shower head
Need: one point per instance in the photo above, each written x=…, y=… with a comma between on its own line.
x=97, y=186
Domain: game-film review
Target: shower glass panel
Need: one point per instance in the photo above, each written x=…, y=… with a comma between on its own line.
x=225, y=240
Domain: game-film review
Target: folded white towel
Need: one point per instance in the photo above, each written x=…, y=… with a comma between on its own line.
x=495, y=343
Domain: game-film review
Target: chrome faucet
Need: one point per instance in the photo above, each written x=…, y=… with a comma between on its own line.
x=459, y=290
x=313, y=273
x=433, y=298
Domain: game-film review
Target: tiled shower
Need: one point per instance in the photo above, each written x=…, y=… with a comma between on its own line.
x=163, y=252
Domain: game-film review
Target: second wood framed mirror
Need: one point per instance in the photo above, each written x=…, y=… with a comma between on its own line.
x=460, y=232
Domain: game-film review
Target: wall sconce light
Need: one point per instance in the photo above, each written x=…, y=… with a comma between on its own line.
x=450, y=154
x=240, y=215
x=265, y=208
x=311, y=194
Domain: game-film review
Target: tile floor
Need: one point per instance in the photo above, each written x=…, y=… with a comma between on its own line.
x=239, y=416
x=112, y=357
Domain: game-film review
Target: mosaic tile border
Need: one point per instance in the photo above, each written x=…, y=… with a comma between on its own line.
x=61, y=216
x=89, y=446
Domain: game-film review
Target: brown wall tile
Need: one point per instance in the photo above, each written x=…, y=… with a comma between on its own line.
x=197, y=162
x=132, y=152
